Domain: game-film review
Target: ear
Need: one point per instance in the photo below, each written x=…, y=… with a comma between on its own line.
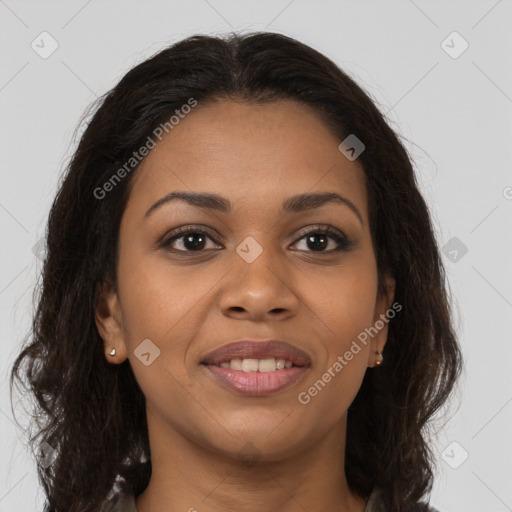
x=381, y=321
x=109, y=321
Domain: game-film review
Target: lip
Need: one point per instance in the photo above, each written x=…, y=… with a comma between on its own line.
x=253, y=349
x=257, y=383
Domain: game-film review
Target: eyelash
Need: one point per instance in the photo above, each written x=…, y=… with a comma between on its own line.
x=344, y=244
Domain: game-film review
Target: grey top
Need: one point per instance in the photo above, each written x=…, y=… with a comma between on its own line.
x=126, y=503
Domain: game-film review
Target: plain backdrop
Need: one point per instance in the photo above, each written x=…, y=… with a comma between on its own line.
x=441, y=72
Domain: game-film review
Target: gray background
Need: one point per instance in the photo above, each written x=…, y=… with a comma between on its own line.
x=455, y=111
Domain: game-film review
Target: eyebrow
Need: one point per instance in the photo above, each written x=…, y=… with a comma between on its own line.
x=294, y=204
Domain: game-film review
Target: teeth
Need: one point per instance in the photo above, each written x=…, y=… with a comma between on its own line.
x=250, y=365
x=235, y=364
x=269, y=364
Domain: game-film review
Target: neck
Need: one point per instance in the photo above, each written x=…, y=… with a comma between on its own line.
x=188, y=477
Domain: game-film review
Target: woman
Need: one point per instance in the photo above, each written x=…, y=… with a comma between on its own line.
x=243, y=304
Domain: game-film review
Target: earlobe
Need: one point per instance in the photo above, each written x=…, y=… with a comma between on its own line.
x=108, y=319
x=381, y=321
x=375, y=358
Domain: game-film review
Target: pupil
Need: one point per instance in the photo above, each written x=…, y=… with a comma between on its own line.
x=322, y=244
x=191, y=237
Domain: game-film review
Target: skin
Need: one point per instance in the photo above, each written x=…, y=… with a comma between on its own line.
x=188, y=304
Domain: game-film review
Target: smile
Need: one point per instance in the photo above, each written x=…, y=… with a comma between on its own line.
x=270, y=364
x=255, y=382
x=257, y=367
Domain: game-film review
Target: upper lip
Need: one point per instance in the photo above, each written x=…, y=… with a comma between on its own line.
x=257, y=349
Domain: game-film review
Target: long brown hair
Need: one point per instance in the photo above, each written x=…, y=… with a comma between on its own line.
x=92, y=413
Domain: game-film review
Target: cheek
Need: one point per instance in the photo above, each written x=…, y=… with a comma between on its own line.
x=345, y=304
x=345, y=300
x=158, y=319
x=158, y=299
x=167, y=305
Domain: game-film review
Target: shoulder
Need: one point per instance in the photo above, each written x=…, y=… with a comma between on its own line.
x=375, y=504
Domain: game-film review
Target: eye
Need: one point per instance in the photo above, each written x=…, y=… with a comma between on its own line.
x=318, y=240
x=188, y=240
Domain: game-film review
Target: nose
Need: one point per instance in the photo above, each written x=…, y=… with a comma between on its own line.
x=260, y=290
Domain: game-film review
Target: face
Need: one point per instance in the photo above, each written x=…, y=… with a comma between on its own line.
x=192, y=279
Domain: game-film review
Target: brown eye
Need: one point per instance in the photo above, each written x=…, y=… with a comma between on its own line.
x=188, y=240
x=317, y=240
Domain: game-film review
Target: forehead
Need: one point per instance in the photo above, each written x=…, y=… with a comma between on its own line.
x=253, y=154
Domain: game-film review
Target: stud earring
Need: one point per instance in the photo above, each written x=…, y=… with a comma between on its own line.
x=379, y=361
x=113, y=352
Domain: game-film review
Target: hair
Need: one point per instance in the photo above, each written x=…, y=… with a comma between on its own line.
x=92, y=413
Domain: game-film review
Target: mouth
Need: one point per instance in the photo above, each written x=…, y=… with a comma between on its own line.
x=257, y=368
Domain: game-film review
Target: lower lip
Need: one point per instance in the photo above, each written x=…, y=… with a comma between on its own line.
x=256, y=383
